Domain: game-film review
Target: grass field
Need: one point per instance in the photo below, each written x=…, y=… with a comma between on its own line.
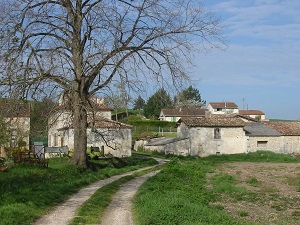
x=28, y=191
x=254, y=188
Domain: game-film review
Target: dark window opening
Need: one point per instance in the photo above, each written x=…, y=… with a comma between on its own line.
x=217, y=133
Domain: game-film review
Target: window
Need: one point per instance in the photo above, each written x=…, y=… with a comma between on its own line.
x=217, y=133
x=262, y=144
x=219, y=109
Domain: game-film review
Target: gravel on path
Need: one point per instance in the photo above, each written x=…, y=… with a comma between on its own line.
x=119, y=210
x=64, y=213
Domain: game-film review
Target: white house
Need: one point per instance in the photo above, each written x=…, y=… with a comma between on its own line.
x=221, y=108
x=256, y=114
x=16, y=117
x=173, y=115
x=113, y=137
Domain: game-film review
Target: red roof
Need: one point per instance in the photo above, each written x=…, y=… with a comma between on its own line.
x=94, y=106
x=213, y=121
x=10, y=108
x=286, y=128
x=222, y=105
x=101, y=122
x=251, y=112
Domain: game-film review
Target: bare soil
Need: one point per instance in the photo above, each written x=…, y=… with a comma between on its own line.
x=274, y=192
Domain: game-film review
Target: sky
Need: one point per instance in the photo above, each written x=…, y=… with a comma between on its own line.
x=260, y=68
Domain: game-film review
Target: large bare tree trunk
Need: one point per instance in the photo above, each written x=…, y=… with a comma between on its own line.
x=80, y=131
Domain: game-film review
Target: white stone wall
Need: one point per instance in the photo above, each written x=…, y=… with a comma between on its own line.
x=204, y=144
x=282, y=144
x=117, y=141
x=182, y=131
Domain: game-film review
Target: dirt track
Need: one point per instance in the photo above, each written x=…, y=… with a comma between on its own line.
x=63, y=214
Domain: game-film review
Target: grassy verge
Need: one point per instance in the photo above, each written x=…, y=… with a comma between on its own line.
x=183, y=194
x=93, y=209
x=28, y=191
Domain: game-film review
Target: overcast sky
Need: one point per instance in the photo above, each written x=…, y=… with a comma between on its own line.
x=260, y=69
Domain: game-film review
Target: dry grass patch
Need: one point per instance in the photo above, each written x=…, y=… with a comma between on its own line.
x=269, y=192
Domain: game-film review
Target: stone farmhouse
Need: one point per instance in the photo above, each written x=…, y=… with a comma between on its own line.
x=16, y=116
x=110, y=136
x=229, y=134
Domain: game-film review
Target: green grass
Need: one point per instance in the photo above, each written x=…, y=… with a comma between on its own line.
x=28, y=191
x=94, y=208
x=178, y=195
x=259, y=156
x=183, y=194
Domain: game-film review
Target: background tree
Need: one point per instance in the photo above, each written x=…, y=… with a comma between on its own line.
x=160, y=99
x=139, y=103
x=82, y=46
x=39, y=115
x=189, y=98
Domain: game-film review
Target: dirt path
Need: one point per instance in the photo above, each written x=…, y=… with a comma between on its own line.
x=64, y=213
x=119, y=210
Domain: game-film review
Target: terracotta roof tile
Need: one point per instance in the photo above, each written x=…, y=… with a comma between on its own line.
x=251, y=112
x=213, y=121
x=101, y=122
x=9, y=108
x=95, y=106
x=215, y=105
x=286, y=128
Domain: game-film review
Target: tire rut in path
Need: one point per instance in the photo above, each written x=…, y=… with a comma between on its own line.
x=65, y=212
x=119, y=210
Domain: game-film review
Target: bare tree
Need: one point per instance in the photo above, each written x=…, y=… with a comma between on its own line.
x=81, y=46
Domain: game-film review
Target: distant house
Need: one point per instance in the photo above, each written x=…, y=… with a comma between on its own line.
x=173, y=115
x=16, y=116
x=112, y=136
x=221, y=108
x=256, y=114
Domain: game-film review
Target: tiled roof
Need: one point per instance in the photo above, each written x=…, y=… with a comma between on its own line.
x=255, y=129
x=9, y=108
x=213, y=121
x=164, y=141
x=107, y=123
x=251, y=112
x=101, y=122
x=286, y=128
x=184, y=112
x=216, y=105
x=94, y=105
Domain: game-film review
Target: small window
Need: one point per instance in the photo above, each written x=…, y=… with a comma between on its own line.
x=217, y=133
x=219, y=109
x=262, y=144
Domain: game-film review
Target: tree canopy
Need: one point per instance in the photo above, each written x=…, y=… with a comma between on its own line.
x=82, y=46
x=139, y=103
x=160, y=99
x=189, y=98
